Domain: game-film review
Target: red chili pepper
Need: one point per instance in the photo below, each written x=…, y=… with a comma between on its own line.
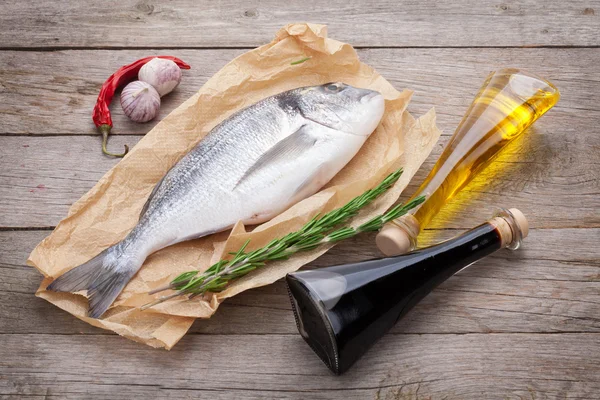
x=124, y=75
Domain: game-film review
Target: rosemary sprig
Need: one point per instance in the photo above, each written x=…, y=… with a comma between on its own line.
x=318, y=231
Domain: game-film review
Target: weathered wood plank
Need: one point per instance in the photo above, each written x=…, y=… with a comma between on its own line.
x=186, y=23
x=405, y=366
x=516, y=325
x=54, y=92
x=544, y=175
x=531, y=290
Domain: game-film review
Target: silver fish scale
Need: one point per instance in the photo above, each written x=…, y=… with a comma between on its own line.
x=197, y=191
x=251, y=167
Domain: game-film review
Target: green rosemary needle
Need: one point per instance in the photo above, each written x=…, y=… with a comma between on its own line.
x=300, y=61
x=318, y=231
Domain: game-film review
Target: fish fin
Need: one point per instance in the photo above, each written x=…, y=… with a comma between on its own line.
x=79, y=277
x=312, y=183
x=152, y=193
x=104, y=277
x=292, y=146
x=104, y=291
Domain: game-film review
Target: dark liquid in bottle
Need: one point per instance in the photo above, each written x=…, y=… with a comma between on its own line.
x=342, y=310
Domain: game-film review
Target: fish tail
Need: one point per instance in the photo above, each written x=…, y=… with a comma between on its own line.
x=104, y=277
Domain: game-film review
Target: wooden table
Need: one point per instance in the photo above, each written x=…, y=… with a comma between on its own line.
x=519, y=324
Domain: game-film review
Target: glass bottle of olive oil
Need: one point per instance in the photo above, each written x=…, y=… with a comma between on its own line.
x=507, y=104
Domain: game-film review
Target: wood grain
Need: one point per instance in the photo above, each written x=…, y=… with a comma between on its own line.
x=517, y=325
x=274, y=366
x=228, y=23
x=42, y=176
x=48, y=93
x=522, y=291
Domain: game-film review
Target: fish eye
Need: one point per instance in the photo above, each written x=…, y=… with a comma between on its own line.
x=333, y=87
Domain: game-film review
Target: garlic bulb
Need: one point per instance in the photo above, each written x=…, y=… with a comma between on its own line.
x=140, y=101
x=163, y=74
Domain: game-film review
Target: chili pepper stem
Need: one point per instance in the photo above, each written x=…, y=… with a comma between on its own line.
x=105, y=130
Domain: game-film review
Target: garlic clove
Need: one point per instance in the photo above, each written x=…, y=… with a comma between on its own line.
x=140, y=101
x=163, y=74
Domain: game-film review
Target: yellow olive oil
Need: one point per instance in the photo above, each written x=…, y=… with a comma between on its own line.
x=507, y=104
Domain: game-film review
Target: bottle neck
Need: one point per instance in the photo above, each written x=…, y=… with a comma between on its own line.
x=513, y=227
x=505, y=221
x=433, y=265
x=341, y=310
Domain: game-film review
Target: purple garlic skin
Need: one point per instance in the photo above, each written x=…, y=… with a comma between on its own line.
x=163, y=74
x=140, y=101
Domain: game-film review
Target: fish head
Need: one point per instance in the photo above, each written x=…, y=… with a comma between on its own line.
x=342, y=107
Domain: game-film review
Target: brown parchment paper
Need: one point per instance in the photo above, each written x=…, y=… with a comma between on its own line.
x=110, y=209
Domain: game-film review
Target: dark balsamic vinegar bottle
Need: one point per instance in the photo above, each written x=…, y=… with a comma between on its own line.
x=342, y=310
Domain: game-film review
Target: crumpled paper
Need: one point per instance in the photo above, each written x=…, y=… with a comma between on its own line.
x=110, y=209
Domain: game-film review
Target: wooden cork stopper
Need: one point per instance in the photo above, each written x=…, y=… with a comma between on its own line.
x=521, y=221
x=398, y=237
x=509, y=225
x=393, y=241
